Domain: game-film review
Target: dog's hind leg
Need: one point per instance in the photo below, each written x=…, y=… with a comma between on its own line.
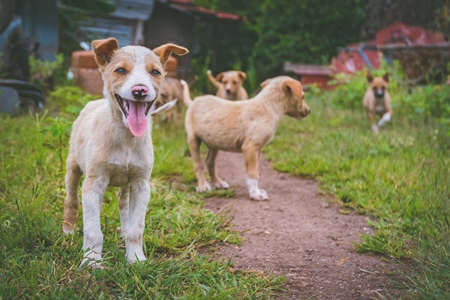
x=124, y=200
x=216, y=181
x=139, y=198
x=251, y=157
x=71, y=202
x=92, y=195
x=194, y=148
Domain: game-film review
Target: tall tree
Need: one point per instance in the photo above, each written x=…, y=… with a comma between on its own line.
x=430, y=14
x=304, y=31
x=71, y=13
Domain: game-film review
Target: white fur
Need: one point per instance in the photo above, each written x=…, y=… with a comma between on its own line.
x=254, y=191
x=386, y=118
x=139, y=74
x=103, y=148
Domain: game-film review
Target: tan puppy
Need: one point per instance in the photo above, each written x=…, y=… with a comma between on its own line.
x=377, y=101
x=172, y=90
x=111, y=144
x=240, y=126
x=229, y=84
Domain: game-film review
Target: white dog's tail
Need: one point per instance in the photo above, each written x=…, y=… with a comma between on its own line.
x=186, y=93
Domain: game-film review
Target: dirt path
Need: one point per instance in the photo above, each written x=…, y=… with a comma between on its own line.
x=296, y=233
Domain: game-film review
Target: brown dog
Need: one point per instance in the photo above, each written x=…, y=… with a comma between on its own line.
x=229, y=84
x=240, y=126
x=171, y=90
x=377, y=101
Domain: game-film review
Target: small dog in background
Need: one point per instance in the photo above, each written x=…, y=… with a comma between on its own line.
x=229, y=85
x=377, y=101
x=240, y=126
x=171, y=90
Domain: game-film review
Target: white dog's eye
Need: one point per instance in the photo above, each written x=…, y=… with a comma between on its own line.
x=121, y=71
x=155, y=72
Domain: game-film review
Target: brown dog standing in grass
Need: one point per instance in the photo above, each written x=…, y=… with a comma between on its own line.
x=229, y=85
x=111, y=145
x=240, y=126
x=172, y=90
x=377, y=101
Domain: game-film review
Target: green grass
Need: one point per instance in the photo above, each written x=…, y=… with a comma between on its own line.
x=400, y=176
x=37, y=261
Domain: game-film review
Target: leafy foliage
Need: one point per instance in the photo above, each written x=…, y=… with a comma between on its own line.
x=304, y=31
x=70, y=14
x=412, y=102
x=69, y=98
x=43, y=72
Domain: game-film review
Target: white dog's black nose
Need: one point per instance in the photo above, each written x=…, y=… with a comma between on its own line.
x=139, y=92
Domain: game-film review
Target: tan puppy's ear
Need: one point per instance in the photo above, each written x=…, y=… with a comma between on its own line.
x=266, y=82
x=369, y=77
x=242, y=75
x=293, y=86
x=164, y=51
x=104, y=50
x=386, y=77
x=219, y=77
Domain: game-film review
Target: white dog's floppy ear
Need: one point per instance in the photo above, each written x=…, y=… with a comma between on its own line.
x=104, y=50
x=293, y=86
x=164, y=51
x=164, y=107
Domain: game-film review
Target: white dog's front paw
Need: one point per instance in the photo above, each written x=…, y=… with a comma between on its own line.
x=259, y=195
x=203, y=187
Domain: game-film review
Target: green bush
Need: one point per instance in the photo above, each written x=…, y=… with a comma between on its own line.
x=45, y=74
x=70, y=99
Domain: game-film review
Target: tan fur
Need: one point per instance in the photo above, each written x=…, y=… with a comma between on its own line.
x=229, y=84
x=377, y=105
x=103, y=148
x=240, y=126
x=171, y=90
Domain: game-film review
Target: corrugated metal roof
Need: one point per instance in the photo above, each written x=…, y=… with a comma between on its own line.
x=189, y=7
x=100, y=28
x=305, y=69
x=133, y=9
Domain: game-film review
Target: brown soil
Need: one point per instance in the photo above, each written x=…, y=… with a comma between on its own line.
x=297, y=233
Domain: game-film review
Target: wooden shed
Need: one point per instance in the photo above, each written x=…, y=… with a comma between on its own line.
x=152, y=23
x=173, y=21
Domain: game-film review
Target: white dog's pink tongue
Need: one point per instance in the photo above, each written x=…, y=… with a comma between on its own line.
x=137, y=121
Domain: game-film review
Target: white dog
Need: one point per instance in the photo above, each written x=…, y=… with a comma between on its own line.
x=111, y=145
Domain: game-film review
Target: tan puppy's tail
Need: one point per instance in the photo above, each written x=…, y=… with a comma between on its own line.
x=186, y=94
x=212, y=79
